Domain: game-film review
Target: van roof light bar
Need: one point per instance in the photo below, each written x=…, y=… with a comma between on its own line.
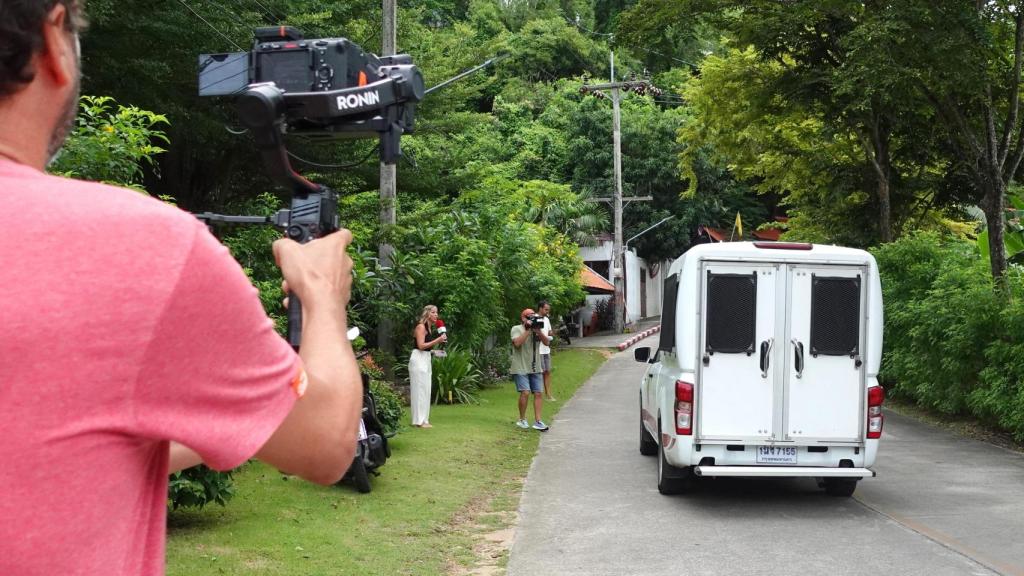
x=784, y=245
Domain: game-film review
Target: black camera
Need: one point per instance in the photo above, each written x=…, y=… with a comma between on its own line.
x=534, y=321
x=281, y=55
x=320, y=88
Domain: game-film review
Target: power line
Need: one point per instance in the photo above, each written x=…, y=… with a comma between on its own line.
x=611, y=36
x=230, y=13
x=341, y=166
x=272, y=13
x=577, y=24
x=687, y=62
x=212, y=27
x=245, y=7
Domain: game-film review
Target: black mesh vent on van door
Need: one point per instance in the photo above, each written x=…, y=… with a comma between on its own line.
x=667, y=339
x=835, y=316
x=732, y=312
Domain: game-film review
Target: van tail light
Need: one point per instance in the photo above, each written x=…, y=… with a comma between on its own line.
x=684, y=408
x=876, y=395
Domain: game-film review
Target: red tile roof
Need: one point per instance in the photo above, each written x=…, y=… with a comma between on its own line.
x=594, y=283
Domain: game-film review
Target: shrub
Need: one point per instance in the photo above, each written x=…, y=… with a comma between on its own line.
x=110, y=145
x=455, y=379
x=605, y=310
x=389, y=405
x=493, y=365
x=999, y=398
x=952, y=343
x=940, y=311
x=198, y=486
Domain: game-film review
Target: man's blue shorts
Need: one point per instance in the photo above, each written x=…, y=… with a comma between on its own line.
x=529, y=382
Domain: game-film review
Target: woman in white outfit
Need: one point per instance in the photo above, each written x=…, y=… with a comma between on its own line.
x=419, y=366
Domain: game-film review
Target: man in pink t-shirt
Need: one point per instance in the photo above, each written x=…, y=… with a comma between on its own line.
x=133, y=345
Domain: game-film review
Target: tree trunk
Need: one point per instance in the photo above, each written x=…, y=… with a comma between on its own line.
x=884, y=211
x=995, y=218
x=876, y=145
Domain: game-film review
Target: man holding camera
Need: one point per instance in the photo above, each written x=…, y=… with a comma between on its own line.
x=134, y=344
x=544, y=311
x=526, y=366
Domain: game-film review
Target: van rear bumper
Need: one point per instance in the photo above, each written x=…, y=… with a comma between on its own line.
x=783, y=471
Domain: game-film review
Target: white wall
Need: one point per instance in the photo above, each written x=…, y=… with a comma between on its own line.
x=602, y=252
x=632, y=265
x=635, y=266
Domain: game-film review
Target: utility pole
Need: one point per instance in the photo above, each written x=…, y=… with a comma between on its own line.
x=388, y=179
x=618, y=255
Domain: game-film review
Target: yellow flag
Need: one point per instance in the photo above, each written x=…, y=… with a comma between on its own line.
x=739, y=225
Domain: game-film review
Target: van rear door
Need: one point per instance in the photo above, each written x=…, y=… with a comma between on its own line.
x=737, y=392
x=825, y=373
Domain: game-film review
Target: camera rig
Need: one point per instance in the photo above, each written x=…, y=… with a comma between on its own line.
x=323, y=89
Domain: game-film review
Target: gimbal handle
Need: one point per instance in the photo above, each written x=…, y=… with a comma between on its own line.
x=314, y=208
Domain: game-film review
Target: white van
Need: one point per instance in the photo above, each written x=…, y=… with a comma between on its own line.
x=767, y=366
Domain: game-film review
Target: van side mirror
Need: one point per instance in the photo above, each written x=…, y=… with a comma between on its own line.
x=642, y=354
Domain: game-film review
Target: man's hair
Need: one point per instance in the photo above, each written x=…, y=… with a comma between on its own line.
x=542, y=304
x=21, y=37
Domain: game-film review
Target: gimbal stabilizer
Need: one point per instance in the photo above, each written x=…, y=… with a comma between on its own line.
x=375, y=97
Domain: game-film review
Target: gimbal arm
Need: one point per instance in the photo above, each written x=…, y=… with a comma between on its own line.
x=314, y=208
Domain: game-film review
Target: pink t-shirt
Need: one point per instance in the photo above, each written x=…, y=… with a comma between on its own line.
x=125, y=324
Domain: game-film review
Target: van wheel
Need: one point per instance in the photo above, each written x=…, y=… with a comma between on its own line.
x=841, y=487
x=648, y=445
x=672, y=480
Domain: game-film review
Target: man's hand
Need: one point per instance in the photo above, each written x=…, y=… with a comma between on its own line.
x=320, y=271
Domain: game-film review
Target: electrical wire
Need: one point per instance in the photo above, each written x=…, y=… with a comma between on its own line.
x=238, y=19
x=273, y=14
x=212, y=27
x=577, y=24
x=338, y=166
x=245, y=7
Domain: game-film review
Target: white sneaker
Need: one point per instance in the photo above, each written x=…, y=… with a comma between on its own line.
x=523, y=424
x=538, y=425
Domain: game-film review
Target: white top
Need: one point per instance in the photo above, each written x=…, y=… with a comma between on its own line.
x=543, y=348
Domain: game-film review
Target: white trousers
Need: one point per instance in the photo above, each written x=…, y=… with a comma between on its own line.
x=419, y=386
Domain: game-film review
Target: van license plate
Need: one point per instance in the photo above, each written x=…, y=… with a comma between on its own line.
x=776, y=455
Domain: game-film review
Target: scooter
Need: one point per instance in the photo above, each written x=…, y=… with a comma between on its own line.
x=371, y=446
x=372, y=449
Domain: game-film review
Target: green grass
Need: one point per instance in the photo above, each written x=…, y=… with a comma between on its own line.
x=441, y=489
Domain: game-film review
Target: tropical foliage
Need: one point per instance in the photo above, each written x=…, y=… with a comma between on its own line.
x=455, y=379
x=865, y=123
x=951, y=343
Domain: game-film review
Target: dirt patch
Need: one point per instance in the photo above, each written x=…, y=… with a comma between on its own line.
x=492, y=532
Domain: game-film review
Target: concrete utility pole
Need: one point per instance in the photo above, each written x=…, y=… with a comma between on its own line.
x=387, y=178
x=618, y=255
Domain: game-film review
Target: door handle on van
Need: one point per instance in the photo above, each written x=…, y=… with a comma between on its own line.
x=766, y=351
x=798, y=349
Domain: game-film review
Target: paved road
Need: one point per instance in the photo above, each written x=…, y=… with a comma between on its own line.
x=941, y=505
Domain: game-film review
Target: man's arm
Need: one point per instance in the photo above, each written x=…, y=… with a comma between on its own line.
x=518, y=340
x=182, y=457
x=317, y=439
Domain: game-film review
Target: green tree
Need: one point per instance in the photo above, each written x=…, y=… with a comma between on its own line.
x=111, y=144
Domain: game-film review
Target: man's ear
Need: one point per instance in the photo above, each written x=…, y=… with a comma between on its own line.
x=59, y=58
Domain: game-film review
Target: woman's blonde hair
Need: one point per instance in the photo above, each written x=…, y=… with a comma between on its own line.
x=426, y=312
